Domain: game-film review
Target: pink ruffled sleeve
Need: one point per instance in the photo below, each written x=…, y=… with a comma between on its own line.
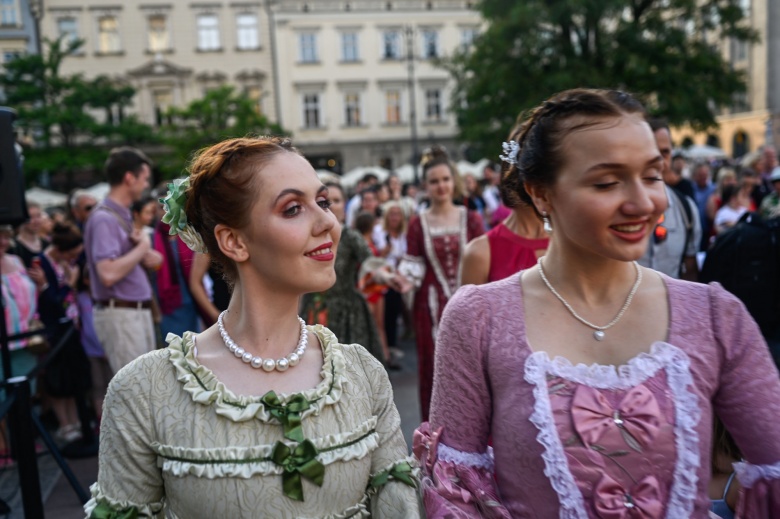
x=748, y=403
x=456, y=462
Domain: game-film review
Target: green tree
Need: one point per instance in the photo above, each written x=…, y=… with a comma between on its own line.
x=220, y=114
x=73, y=120
x=664, y=51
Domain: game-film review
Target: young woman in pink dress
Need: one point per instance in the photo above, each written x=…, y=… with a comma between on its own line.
x=595, y=380
x=514, y=244
x=435, y=243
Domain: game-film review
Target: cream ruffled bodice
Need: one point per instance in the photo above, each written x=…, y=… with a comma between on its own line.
x=175, y=440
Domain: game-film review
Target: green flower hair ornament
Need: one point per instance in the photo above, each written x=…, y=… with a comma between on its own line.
x=176, y=217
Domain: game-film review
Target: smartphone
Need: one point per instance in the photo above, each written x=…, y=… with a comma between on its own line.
x=36, y=262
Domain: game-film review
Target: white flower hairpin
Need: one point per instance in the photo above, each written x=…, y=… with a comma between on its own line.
x=511, y=149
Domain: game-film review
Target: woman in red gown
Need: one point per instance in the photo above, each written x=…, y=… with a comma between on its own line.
x=435, y=244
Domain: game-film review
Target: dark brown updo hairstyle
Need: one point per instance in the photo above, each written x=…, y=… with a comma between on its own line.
x=66, y=236
x=436, y=156
x=541, y=131
x=223, y=188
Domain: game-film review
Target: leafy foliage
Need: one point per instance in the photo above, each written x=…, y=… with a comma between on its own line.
x=220, y=114
x=664, y=51
x=73, y=120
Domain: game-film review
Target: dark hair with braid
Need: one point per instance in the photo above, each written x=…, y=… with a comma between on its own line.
x=223, y=188
x=541, y=131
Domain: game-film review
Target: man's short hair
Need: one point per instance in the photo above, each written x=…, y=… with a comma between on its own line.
x=369, y=177
x=124, y=159
x=658, y=123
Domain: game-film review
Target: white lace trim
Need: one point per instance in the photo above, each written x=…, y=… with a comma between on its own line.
x=639, y=369
x=448, y=286
x=469, y=459
x=748, y=474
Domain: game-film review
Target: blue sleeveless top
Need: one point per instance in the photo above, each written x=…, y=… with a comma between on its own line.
x=719, y=506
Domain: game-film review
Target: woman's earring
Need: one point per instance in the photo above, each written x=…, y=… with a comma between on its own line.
x=546, y=223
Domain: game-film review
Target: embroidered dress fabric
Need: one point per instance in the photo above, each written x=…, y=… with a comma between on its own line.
x=176, y=443
x=438, y=252
x=602, y=441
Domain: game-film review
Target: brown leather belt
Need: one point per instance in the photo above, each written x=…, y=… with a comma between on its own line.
x=118, y=303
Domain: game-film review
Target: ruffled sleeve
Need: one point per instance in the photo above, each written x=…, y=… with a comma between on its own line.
x=456, y=462
x=129, y=482
x=747, y=403
x=394, y=481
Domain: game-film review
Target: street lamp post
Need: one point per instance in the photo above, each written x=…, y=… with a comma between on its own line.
x=36, y=10
x=409, y=31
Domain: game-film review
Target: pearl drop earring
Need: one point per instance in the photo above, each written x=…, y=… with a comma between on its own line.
x=547, y=225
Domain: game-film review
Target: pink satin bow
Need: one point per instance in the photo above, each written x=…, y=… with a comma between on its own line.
x=638, y=414
x=643, y=501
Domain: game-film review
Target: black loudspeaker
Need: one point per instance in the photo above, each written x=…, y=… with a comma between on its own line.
x=13, y=209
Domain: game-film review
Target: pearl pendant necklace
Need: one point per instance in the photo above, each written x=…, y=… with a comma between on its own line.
x=267, y=364
x=598, y=331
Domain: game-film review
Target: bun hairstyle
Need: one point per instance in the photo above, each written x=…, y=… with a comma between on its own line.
x=436, y=156
x=540, y=133
x=224, y=179
x=66, y=236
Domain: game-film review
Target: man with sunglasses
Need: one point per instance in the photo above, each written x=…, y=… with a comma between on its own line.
x=677, y=234
x=81, y=204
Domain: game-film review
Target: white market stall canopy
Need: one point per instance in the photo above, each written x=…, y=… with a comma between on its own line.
x=701, y=151
x=99, y=190
x=352, y=177
x=46, y=198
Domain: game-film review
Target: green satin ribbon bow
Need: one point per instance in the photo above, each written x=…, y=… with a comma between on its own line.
x=301, y=461
x=400, y=471
x=104, y=511
x=289, y=415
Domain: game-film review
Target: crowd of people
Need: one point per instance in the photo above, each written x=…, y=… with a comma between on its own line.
x=569, y=365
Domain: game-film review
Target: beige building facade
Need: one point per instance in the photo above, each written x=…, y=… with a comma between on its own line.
x=171, y=52
x=345, y=86
x=753, y=120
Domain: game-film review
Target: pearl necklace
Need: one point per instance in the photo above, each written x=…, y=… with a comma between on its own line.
x=598, y=332
x=267, y=364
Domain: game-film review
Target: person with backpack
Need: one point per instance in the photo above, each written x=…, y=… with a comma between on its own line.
x=745, y=259
x=676, y=237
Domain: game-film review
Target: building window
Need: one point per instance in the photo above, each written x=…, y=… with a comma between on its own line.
x=349, y=46
x=68, y=30
x=248, y=37
x=159, y=34
x=740, y=103
x=208, y=32
x=433, y=105
x=467, y=36
x=9, y=14
x=255, y=94
x=739, y=50
x=10, y=55
x=162, y=100
x=352, y=116
x=391, y=48
x=308, y=47
x=311, y=110
x=430, y=40
x=108, y=35
x=393, y=107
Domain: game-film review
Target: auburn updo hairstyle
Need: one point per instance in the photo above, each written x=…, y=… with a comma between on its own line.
x=541, y=131
x=224, y=179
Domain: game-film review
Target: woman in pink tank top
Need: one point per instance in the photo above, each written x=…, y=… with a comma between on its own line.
x=509, y=247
